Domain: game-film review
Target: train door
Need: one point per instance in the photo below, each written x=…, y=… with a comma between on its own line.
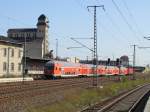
x=57, y=70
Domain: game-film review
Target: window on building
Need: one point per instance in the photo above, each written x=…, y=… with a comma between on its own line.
x=16, y=35
x=34, y=35
x=12, y=66
x=28, y=34
x=4, y=66
x=5, y=52
x=22, y=35
x=12, y=52
x=10, y=35
x=19, y=66
x=13, y=34
x=19, y=53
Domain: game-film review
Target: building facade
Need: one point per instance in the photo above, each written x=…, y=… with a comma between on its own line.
x=35, y=40
x=10, y=58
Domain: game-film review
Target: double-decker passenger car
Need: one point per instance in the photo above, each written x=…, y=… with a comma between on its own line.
x=70, y=69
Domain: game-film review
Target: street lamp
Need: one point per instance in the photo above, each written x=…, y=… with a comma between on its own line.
x=143, y=47
x=148, y=38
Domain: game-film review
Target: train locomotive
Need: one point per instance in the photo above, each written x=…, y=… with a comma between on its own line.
x=55, y=69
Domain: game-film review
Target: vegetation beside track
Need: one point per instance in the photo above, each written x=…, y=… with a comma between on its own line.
x=76, y=99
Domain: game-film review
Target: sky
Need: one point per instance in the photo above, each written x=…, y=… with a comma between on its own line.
x=122, y=24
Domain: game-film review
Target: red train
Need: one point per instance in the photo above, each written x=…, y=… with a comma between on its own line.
x=68, y=69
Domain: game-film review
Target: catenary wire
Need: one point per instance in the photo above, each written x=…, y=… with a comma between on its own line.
x=125, y=20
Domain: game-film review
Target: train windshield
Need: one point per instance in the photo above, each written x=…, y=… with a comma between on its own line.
x=49, y=67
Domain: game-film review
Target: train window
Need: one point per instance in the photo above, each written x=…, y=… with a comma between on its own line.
x=60, y=69
x=49, y=67
x=56, y=68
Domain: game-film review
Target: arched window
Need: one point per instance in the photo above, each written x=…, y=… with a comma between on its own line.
x=5, y=52
x=4, y=66
x=19, y=66
x=12, y=52
x=19, y=53
x=12, y=66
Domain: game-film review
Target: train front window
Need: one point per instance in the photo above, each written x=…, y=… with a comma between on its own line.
x=50, y=67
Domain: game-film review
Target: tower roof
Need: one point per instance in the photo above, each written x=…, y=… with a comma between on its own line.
x=42, y=20
x=42, y=17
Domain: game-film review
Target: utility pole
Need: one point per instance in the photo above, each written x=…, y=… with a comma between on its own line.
x=87, y=59
x=24, y=70
x=95, y=56
x=134, y=58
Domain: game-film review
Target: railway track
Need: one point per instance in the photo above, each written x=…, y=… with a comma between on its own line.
x=17, y=93
x=140, y=104
x=124, y=103
x=43, y=90
x=11, y=89
x=25, y=86
x=37, y=85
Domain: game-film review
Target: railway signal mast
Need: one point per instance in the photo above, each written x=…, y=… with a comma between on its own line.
x=95, y=56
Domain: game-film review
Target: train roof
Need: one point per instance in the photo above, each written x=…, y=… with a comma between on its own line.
x=67, y=64
x=64, y=63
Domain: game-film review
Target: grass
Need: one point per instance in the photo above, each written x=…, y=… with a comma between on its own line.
x=77, y=99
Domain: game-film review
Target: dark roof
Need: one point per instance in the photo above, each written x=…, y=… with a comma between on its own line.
x=3, y=38
x=42, y=17
x=28, y=40
x=124, y=58
x=23, y=30
x=36, y=59
x=9, y=40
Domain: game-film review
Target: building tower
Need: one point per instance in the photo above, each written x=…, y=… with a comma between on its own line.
x=35, y=40
x=42, y=33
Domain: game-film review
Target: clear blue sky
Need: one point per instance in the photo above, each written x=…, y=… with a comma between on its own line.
x=70, y=18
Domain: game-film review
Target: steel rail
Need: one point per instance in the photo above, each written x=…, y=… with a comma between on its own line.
x=99, y=107
x=142, y=99
x=103, y=109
